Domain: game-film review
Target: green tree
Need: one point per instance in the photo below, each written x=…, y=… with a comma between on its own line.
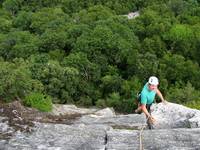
x=112, y=42
x=93, y=14
x=181, y=39
x=89, y=74
x=114, y=101
x=23, y=20
x=18, y=44
x=196, y=40
x=13, y=6
x=183, y=94
x=175, y=68
x=59, y=82
x=48, y=18
x=121, y=7
x=88, y=70
x=57, y=55
x=5, y=25
x=146, y=65
x=32, y=5
x=52, y=40
x=110, y=84
x=71, y=6
x=154, y=45
x=179, y=6
x=74, y=31
x=151, y=22
x=16, y=81
x=131, y=87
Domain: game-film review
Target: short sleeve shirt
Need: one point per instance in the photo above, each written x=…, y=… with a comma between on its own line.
x=147, y=96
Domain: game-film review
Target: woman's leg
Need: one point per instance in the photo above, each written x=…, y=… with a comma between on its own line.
x=149, y=123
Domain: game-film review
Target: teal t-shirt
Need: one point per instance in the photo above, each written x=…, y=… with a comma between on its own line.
x=147, y=96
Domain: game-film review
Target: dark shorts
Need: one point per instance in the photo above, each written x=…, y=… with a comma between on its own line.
x=148, y=106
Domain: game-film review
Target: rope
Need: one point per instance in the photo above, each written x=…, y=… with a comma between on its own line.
x=141, y=131
x=141, y=146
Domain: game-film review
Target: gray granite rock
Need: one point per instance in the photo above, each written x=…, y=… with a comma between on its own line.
x=4, y=127
x=163, y=139
x=132, y=15
x=122, y=139
x=103, y=130
x=60, y=137
x=59, y=109
x=131, y=121
x=107, y=112
x=170, y=139
x=175, y=116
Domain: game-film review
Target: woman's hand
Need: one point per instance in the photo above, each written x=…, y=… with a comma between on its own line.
x=152, y=120
x=164, y=102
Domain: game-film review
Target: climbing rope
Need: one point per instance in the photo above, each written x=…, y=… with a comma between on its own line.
x=141, y=131
x=141, y=146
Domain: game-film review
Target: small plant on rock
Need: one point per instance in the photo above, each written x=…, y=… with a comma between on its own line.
x=39, y=101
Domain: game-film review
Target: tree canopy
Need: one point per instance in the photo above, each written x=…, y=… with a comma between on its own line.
x=89, y=53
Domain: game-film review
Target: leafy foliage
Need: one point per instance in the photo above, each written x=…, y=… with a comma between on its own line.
x=186, y=95
x=39, y=101
x=89, y=53
x=16, y=81
x=18, y=44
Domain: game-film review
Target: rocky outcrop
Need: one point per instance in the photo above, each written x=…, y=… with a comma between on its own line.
x=65, y=137
x=59, y=109
x=107, y=112
x=101, y=129
x=172, y=115
x=132, y=15
x=131, y=121
x=163, y=139
x=58, y=137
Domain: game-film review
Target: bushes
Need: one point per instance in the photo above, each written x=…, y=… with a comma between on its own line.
x=183, y=94
x=18, y=44
x=117, y=102
x=16, y=81
x=194, y=104
x=40, y=101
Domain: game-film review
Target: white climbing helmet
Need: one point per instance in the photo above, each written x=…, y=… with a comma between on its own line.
x=153, y=80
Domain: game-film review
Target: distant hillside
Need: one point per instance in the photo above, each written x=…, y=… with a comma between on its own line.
x=88, y=53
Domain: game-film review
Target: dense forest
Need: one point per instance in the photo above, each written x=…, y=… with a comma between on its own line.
x=89, y=53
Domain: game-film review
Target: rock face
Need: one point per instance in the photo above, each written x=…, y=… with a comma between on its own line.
x=132, y=15
x=175, y=116
x=107, y=112
x=132, y=121
x=104, y=130
x=59, y=137
x=164, y=139
x=59, y=109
